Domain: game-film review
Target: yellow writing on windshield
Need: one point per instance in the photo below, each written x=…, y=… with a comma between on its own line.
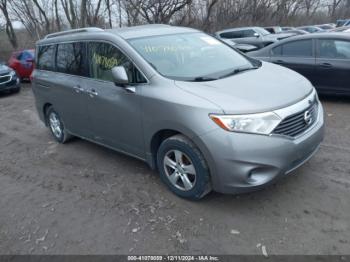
x=106, y=62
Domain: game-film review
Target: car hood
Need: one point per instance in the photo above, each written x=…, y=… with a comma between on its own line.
x=4, y=69
x=265, y=89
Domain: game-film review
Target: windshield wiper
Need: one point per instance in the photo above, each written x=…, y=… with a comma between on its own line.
x=239, y=70
x=203, y=79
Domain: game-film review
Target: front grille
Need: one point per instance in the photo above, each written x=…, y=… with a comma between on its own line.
x=5, y=79
x=298, y=123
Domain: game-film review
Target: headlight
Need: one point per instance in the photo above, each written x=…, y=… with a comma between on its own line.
x=13, y=73
x=263, y=123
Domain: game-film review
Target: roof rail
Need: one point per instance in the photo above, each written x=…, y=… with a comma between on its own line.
x=74, y=31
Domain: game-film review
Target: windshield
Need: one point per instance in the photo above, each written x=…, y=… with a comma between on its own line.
x=262, y=31
x=190, y=57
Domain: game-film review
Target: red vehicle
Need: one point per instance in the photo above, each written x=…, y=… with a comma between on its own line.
x=23, y=63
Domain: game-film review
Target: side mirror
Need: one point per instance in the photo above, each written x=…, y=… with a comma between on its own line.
x=256, y=35
x=120, y=76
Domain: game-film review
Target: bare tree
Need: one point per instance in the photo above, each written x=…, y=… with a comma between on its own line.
x=158, y=11
x=40, y=17
x=8, y=24
x=210, y=4
x=83, y=13
x=70, y=12
x=334, y=7
x=43, y=14
x=109, y=11
x=57, y=16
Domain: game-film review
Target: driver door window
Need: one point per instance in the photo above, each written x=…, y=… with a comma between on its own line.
x=103, y=57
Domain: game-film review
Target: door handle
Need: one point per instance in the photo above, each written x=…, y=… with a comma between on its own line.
x=78, y=89
x=326, y=65
x=92, y=93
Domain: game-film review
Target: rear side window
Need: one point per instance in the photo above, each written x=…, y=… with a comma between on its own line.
x=270, y=29
x=248, y=33
x=232, y=34
x=70, y=59
x=277, y=51
x=103, y=57
x=46, y=57
x=302, y=48
x=331, y=48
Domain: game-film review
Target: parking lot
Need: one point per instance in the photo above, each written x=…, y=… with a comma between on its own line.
x=81, y=198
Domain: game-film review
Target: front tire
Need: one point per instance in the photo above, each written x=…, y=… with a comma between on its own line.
x=56, y=126
x=183, y=168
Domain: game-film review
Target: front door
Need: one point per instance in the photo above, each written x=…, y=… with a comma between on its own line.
x=115, y=111
x=296, y=55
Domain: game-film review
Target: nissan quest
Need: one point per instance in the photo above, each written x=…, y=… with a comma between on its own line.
x=201, y=113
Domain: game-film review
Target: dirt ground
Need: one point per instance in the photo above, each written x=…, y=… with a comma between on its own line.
x=81, y=198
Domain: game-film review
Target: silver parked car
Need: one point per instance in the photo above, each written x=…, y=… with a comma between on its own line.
x=204, y=115
x=256, y=36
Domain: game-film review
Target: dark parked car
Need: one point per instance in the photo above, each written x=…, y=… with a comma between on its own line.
x=311, y=29
x=9, y=82
x=256, y=36
x=322, y=58
x=274, y=29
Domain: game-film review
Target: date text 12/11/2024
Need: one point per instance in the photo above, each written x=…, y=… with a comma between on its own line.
x=173, y=258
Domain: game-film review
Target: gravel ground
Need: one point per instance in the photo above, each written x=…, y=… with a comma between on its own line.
x=81, y=198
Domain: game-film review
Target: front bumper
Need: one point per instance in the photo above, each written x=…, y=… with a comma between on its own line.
x=14, y=83
x=242, y=162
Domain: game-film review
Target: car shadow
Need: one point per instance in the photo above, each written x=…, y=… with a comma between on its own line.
x=334, y=98
x=7, y=94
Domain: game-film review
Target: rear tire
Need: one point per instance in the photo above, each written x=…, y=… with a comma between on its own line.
x=56, y=126
x=183, y=168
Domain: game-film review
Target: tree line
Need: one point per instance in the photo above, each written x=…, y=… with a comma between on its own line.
x=40, y=17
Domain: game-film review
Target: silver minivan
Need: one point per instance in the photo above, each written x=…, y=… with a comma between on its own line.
x=204, y=115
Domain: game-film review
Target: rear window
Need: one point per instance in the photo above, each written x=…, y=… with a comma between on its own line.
x=232, y=34
x=70, y=59
x=46, y=57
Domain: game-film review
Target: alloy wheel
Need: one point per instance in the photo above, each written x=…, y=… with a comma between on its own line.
x=55, y=124
x=179, y=170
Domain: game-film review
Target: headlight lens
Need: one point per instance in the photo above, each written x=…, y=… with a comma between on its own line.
x=13, y=73
x=263, y=123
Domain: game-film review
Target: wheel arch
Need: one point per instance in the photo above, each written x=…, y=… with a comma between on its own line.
x=160, y=135
x=155, y=142
x=44, y=110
